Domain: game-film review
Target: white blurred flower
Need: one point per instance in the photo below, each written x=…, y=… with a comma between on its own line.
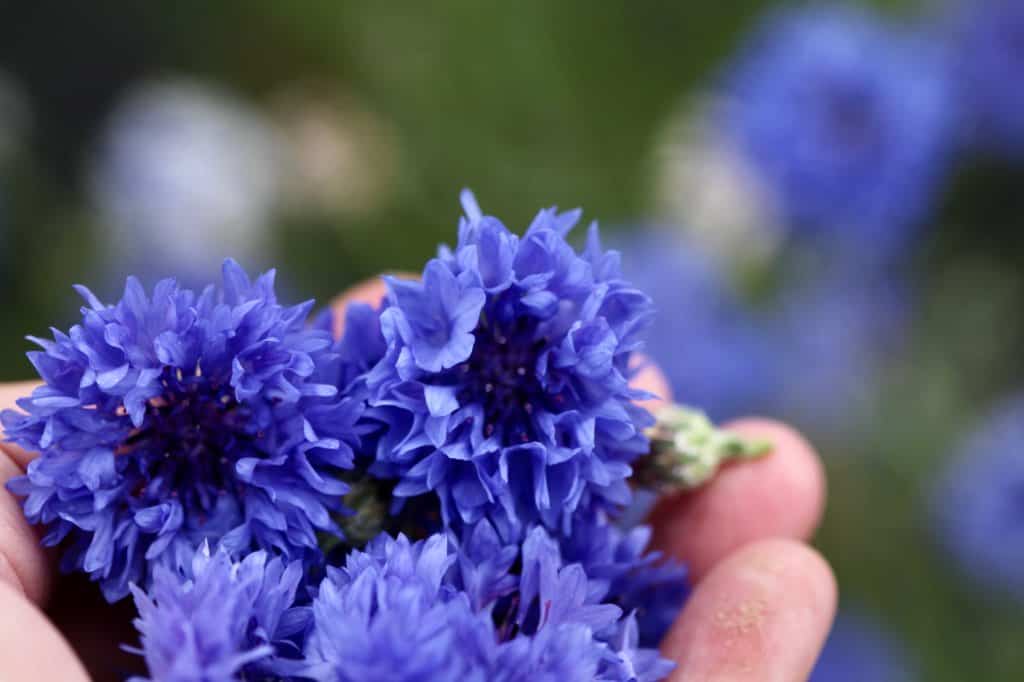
x=185, y=176
x=703, y=184
x=342, y=156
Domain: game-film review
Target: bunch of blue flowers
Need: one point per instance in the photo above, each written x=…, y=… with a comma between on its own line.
x=436, y=495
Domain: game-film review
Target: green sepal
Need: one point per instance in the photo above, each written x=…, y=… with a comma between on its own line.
x=687, y=449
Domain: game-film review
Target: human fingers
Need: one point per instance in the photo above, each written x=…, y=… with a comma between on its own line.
x=761, y=615
x=24, y=565
x=31, y=648
x=779, y=495
x=9, y=395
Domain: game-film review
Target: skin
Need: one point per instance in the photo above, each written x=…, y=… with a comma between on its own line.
x=762, y=604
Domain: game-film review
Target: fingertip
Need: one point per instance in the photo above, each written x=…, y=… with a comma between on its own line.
x=801, y=466
x=779, y=495
x=24, y=564
x=762, y=614
x=31, y=648
x=370, y=291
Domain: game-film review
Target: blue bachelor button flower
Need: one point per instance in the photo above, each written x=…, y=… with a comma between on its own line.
x=987, y=62
x=644, y=583
x=176, y=417
x=846, y=122
x=565, y=626
x=504, y=386
x=222, y=621
x=979, y=505
x=858, y=650
x=387, y=615
x=432, y=610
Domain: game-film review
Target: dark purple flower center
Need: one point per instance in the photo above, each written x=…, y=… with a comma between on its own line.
x=501, y=376
x=851, y=117
x=191, y=438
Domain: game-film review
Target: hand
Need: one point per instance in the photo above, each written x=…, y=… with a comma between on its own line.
x=763, y=601
x=761, y=607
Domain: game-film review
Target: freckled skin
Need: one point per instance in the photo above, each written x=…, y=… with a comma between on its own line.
x=759, y=616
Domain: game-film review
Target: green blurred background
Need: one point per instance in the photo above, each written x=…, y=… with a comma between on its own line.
x=386, y=110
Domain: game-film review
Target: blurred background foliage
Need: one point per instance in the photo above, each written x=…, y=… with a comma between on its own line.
x=331, y=138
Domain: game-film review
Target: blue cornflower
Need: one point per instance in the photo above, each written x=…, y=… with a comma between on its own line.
x=505, y=385
x=858, y=650
x=563, y=617
x=404, y=612
x=844, y=120
x=221, y=620
x=978, y=507
x=644, y=583
x=633, y=662
x=987, y=61
x=706, y=342
x=169, y=419
x=386, y=615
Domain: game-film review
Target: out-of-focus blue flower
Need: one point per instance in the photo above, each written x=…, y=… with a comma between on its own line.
x=987, y=62
x=221, y=621
x=505, y=384
x=857, y=651
x=830, y=339
x=708, y=346
x=176, y=417
x=811, y=356
x=846, y=121
x=979, y=507
x=187, y=175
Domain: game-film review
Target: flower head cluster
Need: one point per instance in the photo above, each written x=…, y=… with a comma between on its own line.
x=221, y=619
x=641, y=582
x=504, y=387
x=987, y=62
x=845, y=120
x=396, y=612
x=385, y=616
x=473, y=435
x=171, y=418
x=978, y=507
